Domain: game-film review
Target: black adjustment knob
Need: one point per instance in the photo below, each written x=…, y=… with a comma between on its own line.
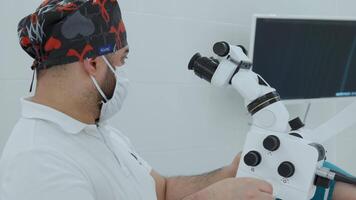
x=252, y=158
x=296, y=124
x=271, y=143
x=286, y=169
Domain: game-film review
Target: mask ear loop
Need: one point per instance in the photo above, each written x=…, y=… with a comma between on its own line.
x=109, y=65
x=33, y=79
x=105, y=99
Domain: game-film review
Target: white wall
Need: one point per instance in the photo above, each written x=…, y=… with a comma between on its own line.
x=179, y=123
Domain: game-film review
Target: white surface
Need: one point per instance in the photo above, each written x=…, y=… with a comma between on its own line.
x=340, y=122
x=56, y=153
x=180, y=124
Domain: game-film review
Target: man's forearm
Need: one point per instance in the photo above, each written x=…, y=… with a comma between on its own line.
x=182, y=186
x=344, y=191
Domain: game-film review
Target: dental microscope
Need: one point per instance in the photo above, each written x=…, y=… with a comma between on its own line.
x=277, y=149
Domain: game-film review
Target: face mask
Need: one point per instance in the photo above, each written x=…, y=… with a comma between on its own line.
x=112, y=106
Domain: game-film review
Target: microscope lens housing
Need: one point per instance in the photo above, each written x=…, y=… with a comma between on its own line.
x=203, y=67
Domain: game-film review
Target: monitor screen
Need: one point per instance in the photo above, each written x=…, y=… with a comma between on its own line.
x=306, y=58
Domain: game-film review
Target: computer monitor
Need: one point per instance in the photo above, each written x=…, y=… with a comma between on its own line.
x=305, y=58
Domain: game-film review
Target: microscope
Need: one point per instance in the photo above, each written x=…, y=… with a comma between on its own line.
x=277, y=149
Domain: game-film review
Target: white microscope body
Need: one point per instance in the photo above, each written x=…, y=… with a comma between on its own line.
x=272, y=152
x=288, y=162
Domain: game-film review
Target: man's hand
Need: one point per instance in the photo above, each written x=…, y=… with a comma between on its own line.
x=232, y=168
x=236, y=189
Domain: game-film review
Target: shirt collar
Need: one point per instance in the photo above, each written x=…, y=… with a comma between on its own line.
x=34, y=110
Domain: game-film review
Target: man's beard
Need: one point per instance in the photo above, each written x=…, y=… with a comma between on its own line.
x=109, y=84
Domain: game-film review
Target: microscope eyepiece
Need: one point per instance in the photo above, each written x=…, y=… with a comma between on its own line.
x=191, y=65
x=221, y=49
x=203, y=67
x=235, y=58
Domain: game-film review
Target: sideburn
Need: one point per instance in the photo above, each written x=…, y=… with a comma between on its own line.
x=109, y=84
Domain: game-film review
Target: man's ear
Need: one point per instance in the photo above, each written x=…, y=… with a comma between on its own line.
x=90, y=65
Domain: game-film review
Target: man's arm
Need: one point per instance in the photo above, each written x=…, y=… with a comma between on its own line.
x=182, y=186
x=344, y=191
x=230, y=189
x=176, y=188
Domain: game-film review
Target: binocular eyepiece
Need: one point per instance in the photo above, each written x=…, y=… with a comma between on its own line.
x=205, y=67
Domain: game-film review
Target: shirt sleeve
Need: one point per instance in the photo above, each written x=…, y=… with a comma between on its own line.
x=43, y=175
x=132, y=149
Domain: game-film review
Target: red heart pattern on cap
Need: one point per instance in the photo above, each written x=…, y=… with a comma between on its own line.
x=52, y=44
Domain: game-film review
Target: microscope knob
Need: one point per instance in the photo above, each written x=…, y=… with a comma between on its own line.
x=296, y=124
x=252, y=158
x=271, y=143
x=286, y=169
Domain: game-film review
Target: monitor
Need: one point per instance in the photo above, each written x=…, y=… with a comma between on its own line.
x=305, y=58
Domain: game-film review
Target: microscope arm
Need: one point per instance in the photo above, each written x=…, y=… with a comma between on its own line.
x=334, y=126
x=262, y=101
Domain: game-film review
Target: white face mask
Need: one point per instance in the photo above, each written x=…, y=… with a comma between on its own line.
x=112, y=106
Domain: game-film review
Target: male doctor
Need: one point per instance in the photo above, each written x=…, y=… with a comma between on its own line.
x=62, y=147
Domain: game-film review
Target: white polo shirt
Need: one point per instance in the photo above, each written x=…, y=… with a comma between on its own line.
x=51, y=156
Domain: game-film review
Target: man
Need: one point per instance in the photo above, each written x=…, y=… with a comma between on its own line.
x=63, y=148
